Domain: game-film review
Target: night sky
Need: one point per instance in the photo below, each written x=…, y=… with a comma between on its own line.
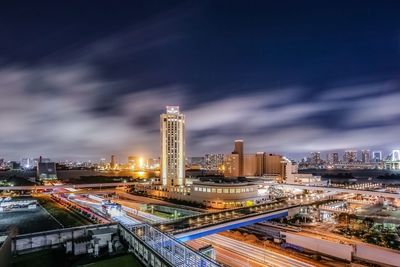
x=87, y=79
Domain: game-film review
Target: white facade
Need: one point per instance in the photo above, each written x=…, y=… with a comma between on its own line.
x=172, y=133
x=225, y=195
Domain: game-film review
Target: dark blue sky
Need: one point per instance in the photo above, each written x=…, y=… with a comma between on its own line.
x=84, y=79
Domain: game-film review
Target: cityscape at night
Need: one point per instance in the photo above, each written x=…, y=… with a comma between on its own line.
x=200, y=133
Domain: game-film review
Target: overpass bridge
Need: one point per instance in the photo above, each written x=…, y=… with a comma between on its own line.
x=197, y=226
x=345, y=190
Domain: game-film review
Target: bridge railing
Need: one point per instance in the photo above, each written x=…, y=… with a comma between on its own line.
x=234, y=216
x=158, y=249
x=211, y=213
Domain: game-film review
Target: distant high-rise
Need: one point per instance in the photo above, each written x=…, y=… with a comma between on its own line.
x=333, y=158
x=46, y=170
x=231, y=165
x=238, y=150
x=365, y=156
x=350, y=156
x=257, y=164
x=315, y=158
x=172, y=134
x=213, y=162
x=112, y=163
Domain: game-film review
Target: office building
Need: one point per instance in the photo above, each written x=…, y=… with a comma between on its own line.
x=13, y=165
x=113, y=162
x=234, y=162
x=350, y=156
x=213, y=162
x=273, y=164
x=46, y=170
x=258, y=164
x=365, y=156
x=231, y=165
x=333, y=158
x=250, y=165
x=238, y=150
x=172, y=134
x=315, y=158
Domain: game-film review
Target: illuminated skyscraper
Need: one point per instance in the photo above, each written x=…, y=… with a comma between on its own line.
x=365, y=156
x=172, y=134
x=315, y=158
x=333, y=158
x=113, y=162
x=214, y=161
x=350, y=156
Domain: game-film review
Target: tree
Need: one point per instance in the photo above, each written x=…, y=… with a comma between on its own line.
x=368, y=222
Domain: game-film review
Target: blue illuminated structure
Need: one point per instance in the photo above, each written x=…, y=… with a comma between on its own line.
x=213, y=229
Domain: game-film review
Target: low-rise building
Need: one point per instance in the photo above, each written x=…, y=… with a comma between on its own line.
x=224, y=194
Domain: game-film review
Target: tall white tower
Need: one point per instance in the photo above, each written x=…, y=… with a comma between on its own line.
x=172, y=133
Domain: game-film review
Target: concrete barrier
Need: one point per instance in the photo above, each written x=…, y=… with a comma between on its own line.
x=323, y=246
x=377, y=254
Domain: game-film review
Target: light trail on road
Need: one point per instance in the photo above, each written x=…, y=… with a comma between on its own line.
x=227, y=257
x=255, y=253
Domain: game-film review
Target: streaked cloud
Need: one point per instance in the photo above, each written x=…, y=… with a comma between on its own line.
x=278, y=90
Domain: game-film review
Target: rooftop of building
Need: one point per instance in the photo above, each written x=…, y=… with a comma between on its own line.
x=225, y=181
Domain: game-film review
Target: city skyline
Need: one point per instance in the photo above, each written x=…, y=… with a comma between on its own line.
x=200, y=133
x=85, y=92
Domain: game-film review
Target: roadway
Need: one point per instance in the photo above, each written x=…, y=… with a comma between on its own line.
x=134, y=209
x=95, y=205
x=227, y=257
x=344, y=190
x=234, y=253
x=50, y=187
